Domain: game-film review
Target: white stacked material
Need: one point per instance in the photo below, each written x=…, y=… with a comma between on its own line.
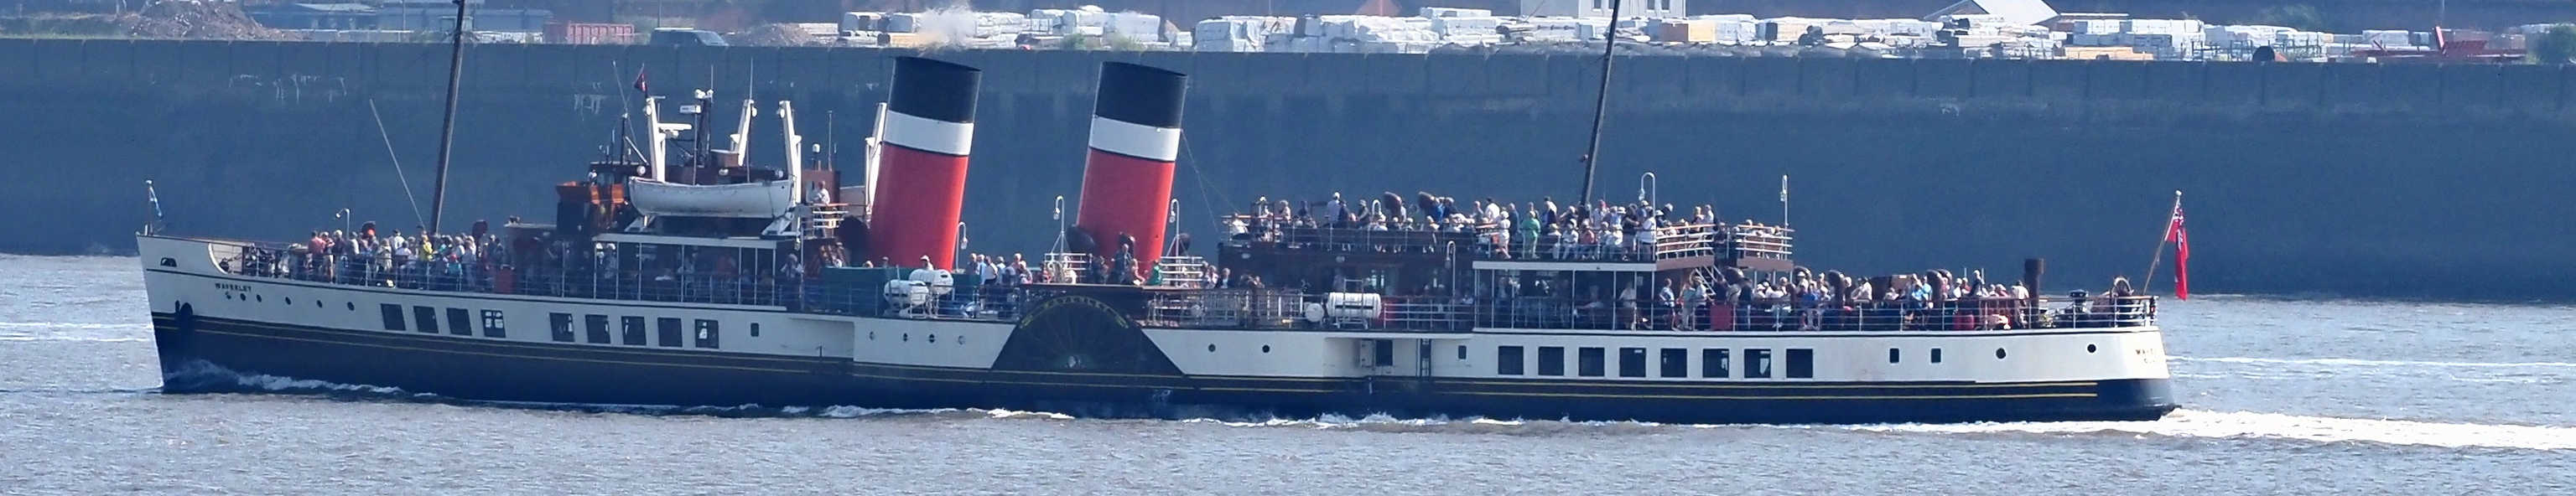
x=1567, y=28
x=2301, y=39
x=1462, y=30
x=1735, y=30
x=1439, y=12
x=2098, y=27
x=903, y=22
x=2096, y=40
x=1135, y=26
x=862, y=21
x=1897, y=27
x=1727, y=17
x=1239, y=33
x=2388, y=37
x=1831, y=27
x=2166, y=46
x=1089, y=21
x=1974, y=20
x=2161, y=26
x=1786, y=29
x=2242, y=36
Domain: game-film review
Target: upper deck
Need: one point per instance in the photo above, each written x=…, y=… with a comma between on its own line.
x=611, y=277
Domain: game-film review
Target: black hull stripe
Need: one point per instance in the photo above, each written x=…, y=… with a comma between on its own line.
x=1133, y=157
x=463, y=369
x=943, y=154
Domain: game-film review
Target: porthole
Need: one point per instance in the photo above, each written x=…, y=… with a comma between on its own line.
x=755, y=329
x=1211, y=348
x=2091, y=349
x=1936, y=355
x=290, y=300
x=228, y=296
x=1462, y=352
x=934, y=338
x=317, y=303
x=1892, y=355
x=907, y=337
x=1999, y=353
x=1265, y=348
x=353, y=306
x=259, y=298
x=872, y=335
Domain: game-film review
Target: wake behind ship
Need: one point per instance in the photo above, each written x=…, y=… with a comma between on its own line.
x=686, y=275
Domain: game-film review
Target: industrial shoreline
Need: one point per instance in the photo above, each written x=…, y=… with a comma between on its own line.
x=2304, y=179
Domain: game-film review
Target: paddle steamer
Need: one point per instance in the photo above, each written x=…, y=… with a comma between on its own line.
x=690, y=276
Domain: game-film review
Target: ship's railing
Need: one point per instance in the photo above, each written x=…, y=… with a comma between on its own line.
x=1066, y=266
x=1267, y=309
x=1759, y=241
x=1783, y=315
x=1499, y=241
x=483, y=275
x=995, y=301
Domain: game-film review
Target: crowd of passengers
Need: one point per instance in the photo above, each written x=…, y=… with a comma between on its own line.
x=1542, y=229
x=1730, y=299
x=391, y=258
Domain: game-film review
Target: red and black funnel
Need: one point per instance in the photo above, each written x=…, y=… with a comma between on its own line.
x=1135, y=137
x=921, y=184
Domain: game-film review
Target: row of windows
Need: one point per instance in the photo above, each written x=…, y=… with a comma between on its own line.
x=1669, y=362
x=667, y=331
x=630, y=330
x=425, y=319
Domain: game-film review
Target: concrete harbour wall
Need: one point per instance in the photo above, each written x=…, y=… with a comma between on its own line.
x=2341, y=179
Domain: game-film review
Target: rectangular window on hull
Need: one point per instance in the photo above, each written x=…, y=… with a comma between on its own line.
x=1676, y=362
x=1802, y=363
x=707, y=333
x=669, y=328
x=493, y=325
x=1757, y=363
x=1632, y=362
x=562, y=323
x=425, y=319
x=1712, y=363
x=1551, y=360
x=630, y=331
x=1588, y=362
x=393, y=316
x=1507, y=360
x=597, y=327
x=457, y=324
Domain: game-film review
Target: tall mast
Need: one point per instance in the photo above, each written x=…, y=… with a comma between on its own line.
x=447, y=129
x=1601, y=100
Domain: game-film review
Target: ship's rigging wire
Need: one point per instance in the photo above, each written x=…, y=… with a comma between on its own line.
x=1200, y=176
x=408, y=198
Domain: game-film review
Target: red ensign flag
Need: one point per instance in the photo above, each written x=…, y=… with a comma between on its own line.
x=2182, y=252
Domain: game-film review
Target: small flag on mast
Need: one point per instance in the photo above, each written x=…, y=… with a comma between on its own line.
x=2182, y=251
x=639, y=82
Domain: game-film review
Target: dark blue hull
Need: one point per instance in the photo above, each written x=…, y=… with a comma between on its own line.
x=484, y=370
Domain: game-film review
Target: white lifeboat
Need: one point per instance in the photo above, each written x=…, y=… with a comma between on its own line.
x=753, y=200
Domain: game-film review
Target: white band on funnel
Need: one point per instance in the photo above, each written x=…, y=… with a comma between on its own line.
x=929, y=135
x=1135, y=140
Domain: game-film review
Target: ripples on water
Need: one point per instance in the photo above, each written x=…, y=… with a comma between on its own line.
x=2322, y=397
